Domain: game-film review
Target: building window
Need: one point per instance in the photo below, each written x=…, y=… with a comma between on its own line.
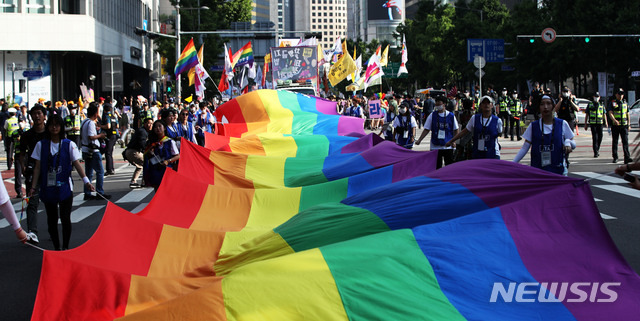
x=313, y=20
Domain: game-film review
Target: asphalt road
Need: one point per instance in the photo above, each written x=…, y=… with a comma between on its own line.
x=20, y=264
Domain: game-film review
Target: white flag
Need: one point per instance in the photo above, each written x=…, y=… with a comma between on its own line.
x=405, y=58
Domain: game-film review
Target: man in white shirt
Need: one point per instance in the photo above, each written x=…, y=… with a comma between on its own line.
x=91, y=152
x=444, y=126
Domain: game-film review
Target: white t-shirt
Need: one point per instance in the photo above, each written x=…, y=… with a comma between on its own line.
x=472, y=122
x=427, y=125
x=88, y=129
x=396, y=123
x=567, y=133
x=74, y=153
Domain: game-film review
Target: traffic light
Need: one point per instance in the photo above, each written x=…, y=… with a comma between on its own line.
x=531, y=40
x=168, y=88
x=586, y=39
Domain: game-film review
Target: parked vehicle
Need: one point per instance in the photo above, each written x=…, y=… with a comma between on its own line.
x=634, y=114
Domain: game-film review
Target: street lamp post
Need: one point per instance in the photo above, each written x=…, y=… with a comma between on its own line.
x=178, y=85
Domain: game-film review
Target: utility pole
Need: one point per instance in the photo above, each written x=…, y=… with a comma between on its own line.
x=178, y=85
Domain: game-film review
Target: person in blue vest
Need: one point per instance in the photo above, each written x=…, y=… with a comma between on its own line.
x=161, y=152
x=485, y=128
x=55, y=155
x=204, y=123
x=444, y=126
x=550, y=140
x=404, y=126
x=185, y=128
x=389, y=117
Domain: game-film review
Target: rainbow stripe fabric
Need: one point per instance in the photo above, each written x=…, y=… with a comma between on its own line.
x=187, y=60
x=300, y=224
x=244, y=56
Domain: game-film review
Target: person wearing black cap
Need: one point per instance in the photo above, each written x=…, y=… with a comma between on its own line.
x=567, y=107
x=484, y=128
x=503, y=109
x=444, y=126
x=28, y=141
x=618, y=112
x=515, y=113
x=596, y=118
x=12, y=131
x=72, y=124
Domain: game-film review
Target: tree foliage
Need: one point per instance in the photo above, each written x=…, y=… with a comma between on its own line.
x=437, y=41
x=218, y=17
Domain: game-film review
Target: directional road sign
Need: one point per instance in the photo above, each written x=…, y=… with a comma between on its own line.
x=491, y=49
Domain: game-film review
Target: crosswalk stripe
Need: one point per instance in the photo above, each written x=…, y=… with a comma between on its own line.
x=139, y=208
x=597, y=199
x=135, y=195
x=621, y=189
x=600, y=177
x=78, y=200
x=83, y=212
x=607, y=217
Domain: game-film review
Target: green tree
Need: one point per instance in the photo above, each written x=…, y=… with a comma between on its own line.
x=218, y=17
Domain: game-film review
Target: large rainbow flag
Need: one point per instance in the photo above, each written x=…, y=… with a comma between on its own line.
x=288, y=219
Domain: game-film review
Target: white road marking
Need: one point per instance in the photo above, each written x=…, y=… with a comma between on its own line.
x=607, y=217
x=597, y=199
x=600, y=177
x=83, y=212
x=135, y=195
x=628, y=191
x=139, y=208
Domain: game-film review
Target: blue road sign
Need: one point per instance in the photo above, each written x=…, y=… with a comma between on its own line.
x=491, y=49
x=32, y=73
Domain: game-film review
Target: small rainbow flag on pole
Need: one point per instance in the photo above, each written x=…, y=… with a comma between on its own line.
x=244, y=56
x=187, y=60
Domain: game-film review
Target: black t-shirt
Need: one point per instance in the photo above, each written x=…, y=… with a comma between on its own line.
x=139, y=139
x=28, y=141
x=536, y=97
x=565, y=111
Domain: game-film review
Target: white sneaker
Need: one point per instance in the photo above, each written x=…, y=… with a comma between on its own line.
x=32, y=238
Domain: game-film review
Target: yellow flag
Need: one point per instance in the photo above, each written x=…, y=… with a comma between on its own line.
x=80, y=102
x=320, y=55
x=353, y=74
x=342, y=68
x=189, y=99
x=192, y=71
x=344, y=46
x=385, y=56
